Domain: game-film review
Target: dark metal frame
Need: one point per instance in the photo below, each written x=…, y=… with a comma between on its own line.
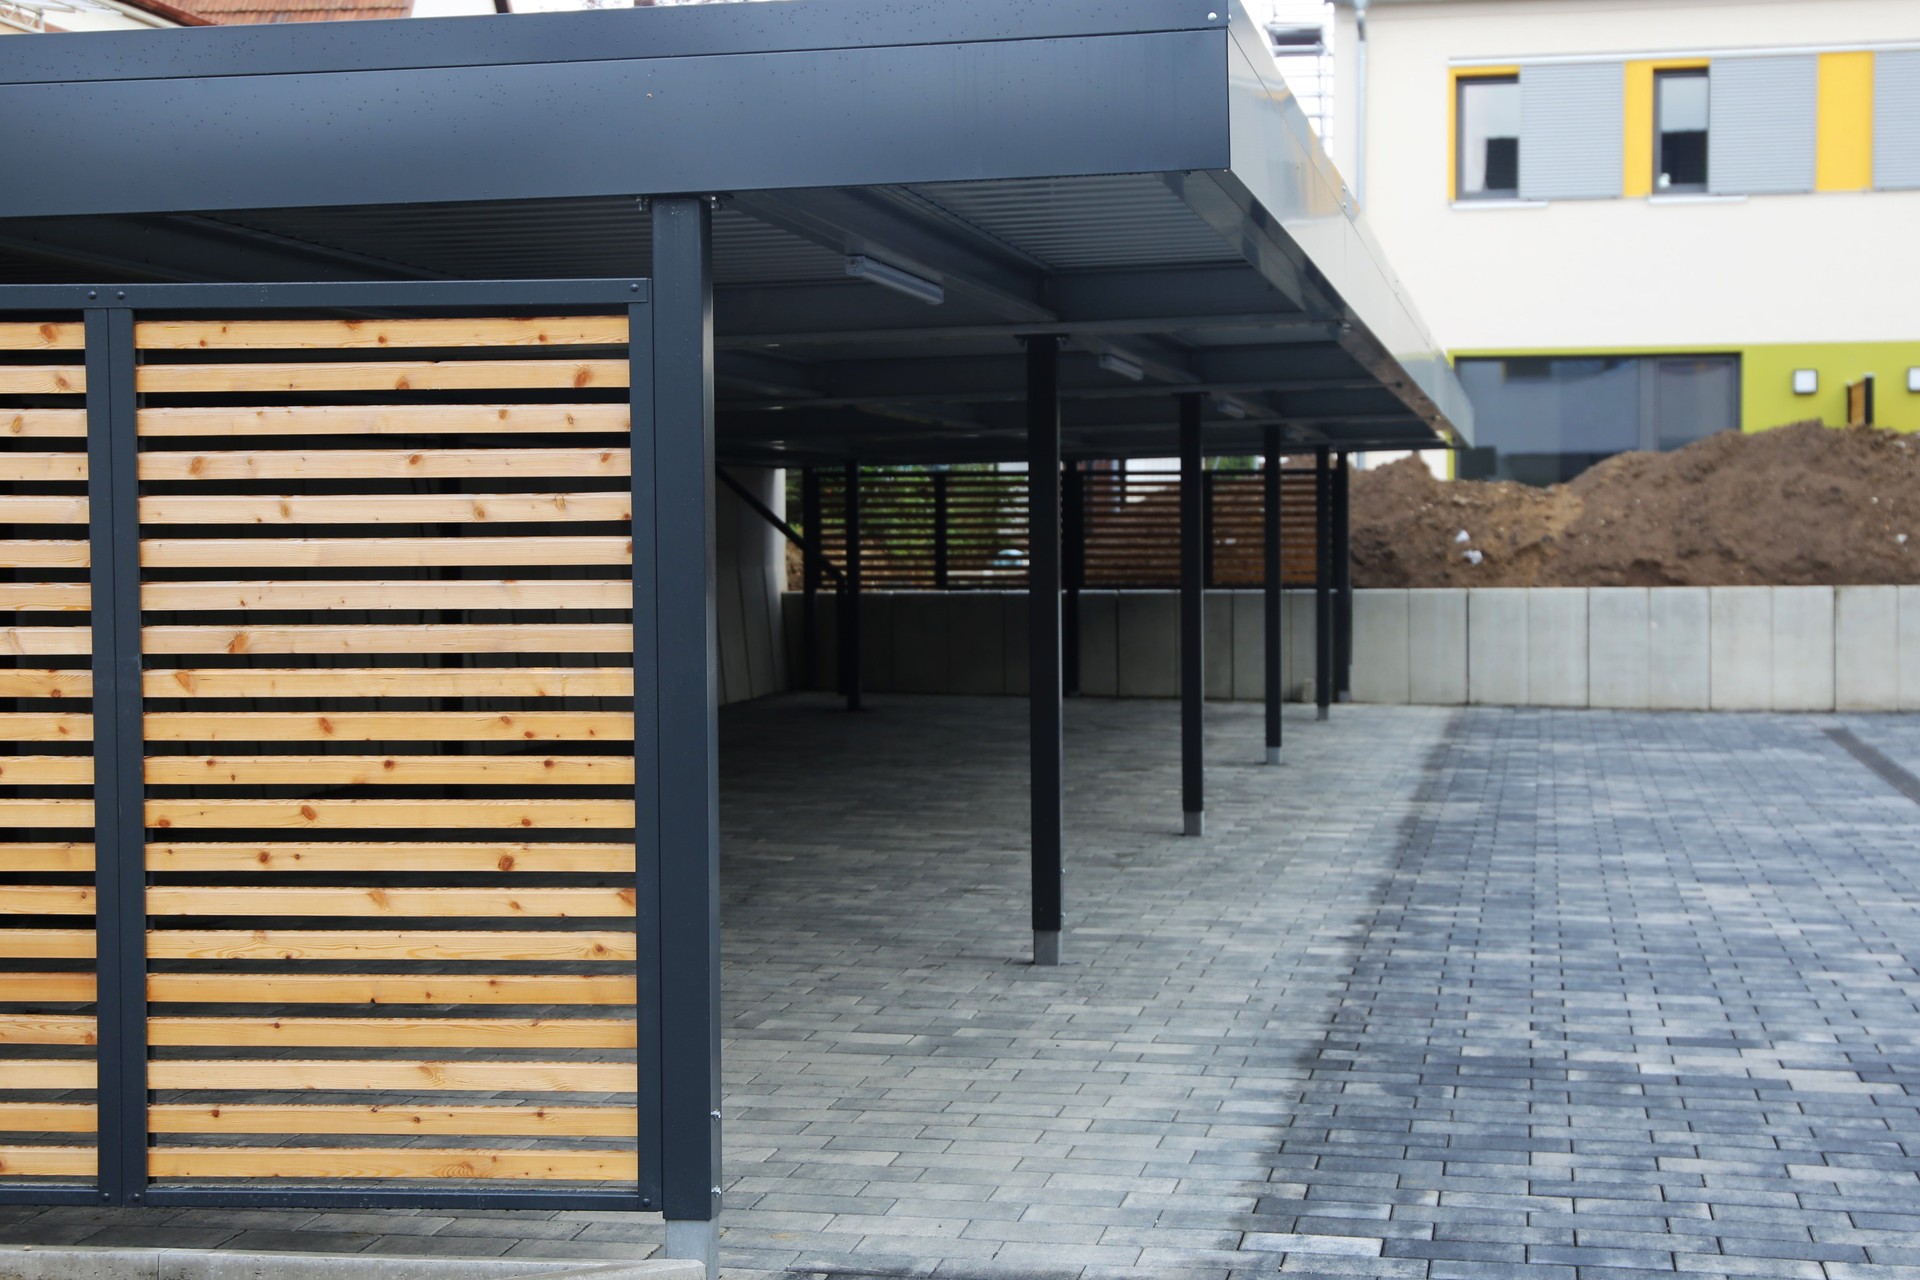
x=676, y=858
x=1046, y=714
x=1195, y=554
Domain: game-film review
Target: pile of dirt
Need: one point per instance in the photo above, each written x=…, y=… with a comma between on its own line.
x=1799, y=505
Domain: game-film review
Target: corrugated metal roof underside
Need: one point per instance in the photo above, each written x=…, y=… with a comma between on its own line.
x=1082, y=224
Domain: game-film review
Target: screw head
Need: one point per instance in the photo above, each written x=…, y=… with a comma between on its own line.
x=713, y=1115
x=93, y=293
x=120, y=294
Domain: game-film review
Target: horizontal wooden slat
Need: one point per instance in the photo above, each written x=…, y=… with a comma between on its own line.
x=361, y=815
x=45, y=857
x=324, y=944
x=388, y=682
x=43, y=554
x=41, y=1029
x=44, y=424
x=42, y=379
x=47, y=1073
x=388, y=420
x=381, y=375
x=47, y=771
x=343, y=1076
x=46, y=642
x=48, y=1162
x=451, y=637
x=42, y=336
x=402, y=1033
x=345, y=855
x=42, y=508
x=384, y=726
x=386, y=989
x=376, y=464
x=42, y=467
x=44, y=726
x=337, y=335
x=545, y=1121
x=356, y=771
x=26, y=682
x=48, y=1117
x=67, y=597
x=50, y=988
x=380, y=553
x=566, y=593
x=387, y=508
x=390, y=1162
x=45, y=899
x=280, y=900
x=45, y=944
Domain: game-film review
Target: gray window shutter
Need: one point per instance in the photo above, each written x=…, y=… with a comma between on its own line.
x=1896, y=120
x=1761, y=130
x=1570, y=129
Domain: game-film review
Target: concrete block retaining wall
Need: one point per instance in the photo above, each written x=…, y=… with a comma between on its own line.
x=1659, y=648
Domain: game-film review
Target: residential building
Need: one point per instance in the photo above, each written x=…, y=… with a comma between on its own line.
x=1635, y=222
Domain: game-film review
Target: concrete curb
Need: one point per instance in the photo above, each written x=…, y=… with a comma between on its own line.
x=31, y=1263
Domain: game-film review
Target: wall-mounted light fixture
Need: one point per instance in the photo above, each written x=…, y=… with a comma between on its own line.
x=928, y=291
x=1913, y=380
x=1232, y=409
x=1806, y=382
x=1122, y=366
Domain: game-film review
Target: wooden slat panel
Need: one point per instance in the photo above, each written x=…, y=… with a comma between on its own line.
x=358, y=815
x=388, y=420
x=383, y=726
x=47, y=1073
x=410, y=1077
x=541, y=638
x=46, y=642
x=389, y=1162
x=336, y=335
x=279, y=900
x=45, y=944
x=68, y=597
x=42, y=508
x=42, y=379
x=44, y=726
x=381, y=989
x=381, y=464
x=382, y=375
x=345, y=855
x=48, y=1162
x=388, y=682
x=545, y=1121
x=42, y=467
x=49, y=771
x=48, y=1117
x=404, y=1033
x=32, y=1029
x=312, y=944
x=45, y=899
x=45, y=336
x=52, y=988
x=43, y=554
x=45, y=857
x=387, y=508
x=356, y=771
x=379, y=553
x=44, y=424
x=25, y=682
x=570, y=593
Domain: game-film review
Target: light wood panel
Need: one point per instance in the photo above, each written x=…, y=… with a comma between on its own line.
x=387, y=508
x=38, y=1029
x=42, y=336
x=388, y=420
x=378, y=464
x=281, y=900
x=382, y=726
x=42, y=508
x=42, y=379
x=380, y=553
x=358, y=771
x=50, y=771
x=346, y=855
x=26, y=682
x=389, y=1162
x=45, y=944
x=67, y=597
x=47, y=1073
x=382, y=375
x=44, y=726
x=360, y=815
x=432, y=944
x=53, y=988
x=338, y=335
x=58, y=856
x=44, y=424
x=48, y=1162
x=476, y=1122
x=345, y=1076
x=50, y=1117
x=401, y=1033
x=386, y=989
x=45, y=899
x=30, y=468
x=388, y=682
x=560, y=594
x=43, y=554
x=450, y=637
x=46, y=642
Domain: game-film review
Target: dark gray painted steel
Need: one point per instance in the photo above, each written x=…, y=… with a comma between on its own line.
x=1270, y=619
x=650, y=1045
x=1571, y=118
x=1761, y=124
x=1046, y=717
x=1322, y=583
x=1896, y=120
x=1343, y=577
x=1193, y=613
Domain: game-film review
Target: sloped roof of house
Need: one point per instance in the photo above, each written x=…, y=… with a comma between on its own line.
x=234, y=13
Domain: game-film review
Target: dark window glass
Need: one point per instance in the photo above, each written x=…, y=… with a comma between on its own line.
x=1488, y=123
x=1680, y=116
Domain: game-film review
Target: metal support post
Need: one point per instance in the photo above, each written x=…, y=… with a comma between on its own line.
x=1343, y=579
x=686, y=697
x=850, y=595
x=810, y=577
x=1193, y=613
x=1323, y=660
x=940, y=520
x=1274, y=585
x=1046, y=715
x=1074, y=570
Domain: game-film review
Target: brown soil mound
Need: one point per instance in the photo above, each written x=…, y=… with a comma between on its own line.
x=1799, y=505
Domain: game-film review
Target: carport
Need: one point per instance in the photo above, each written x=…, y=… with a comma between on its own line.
x=831, y=233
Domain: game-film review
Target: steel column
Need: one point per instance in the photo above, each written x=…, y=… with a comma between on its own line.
x=688, y=697
x=1046, y=716
x=1073, y=571
x=1271, y=597
x=1323, y=642
x=1343, y=579
x=850, y=595
x=650, y=1036
x=940, y=538
x=810, y=577
x=1193, y=612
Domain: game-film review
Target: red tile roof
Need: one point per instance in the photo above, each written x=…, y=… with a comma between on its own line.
x=243, y=12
